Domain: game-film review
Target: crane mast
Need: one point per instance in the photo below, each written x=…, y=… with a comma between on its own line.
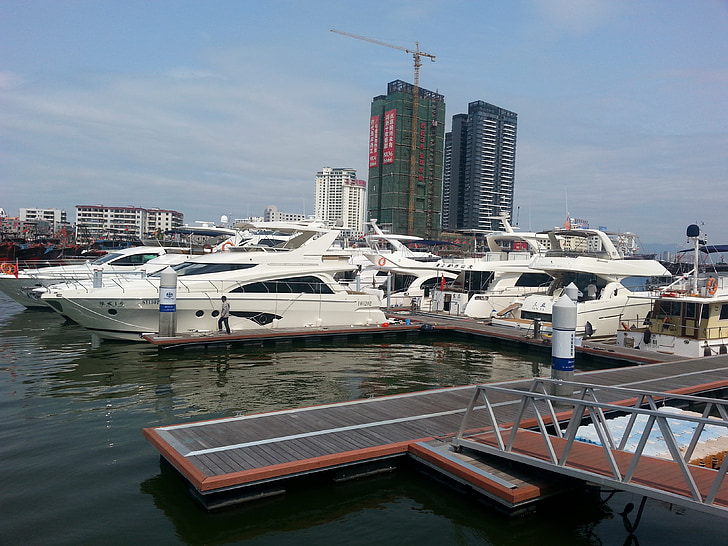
x=416, y=54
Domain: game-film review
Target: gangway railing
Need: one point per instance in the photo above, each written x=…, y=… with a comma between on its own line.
x=549, y=445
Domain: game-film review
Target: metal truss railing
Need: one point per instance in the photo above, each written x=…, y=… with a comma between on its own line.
x=538, y=405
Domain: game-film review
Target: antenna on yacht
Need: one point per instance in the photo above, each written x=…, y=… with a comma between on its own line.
x=693, y=232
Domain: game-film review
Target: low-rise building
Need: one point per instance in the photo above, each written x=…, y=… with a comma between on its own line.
x=104, y=222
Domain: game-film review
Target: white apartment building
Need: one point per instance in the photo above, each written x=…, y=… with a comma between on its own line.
x=103, y=222
x=341, y=198
x=272, y=214
x=54, y=216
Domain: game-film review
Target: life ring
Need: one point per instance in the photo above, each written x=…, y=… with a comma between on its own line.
x=207, y=248
x=226, y=245
x=8, y=269
x=382, y=261
x=712, y=285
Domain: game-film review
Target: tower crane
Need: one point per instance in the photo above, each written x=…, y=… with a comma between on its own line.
x=416, y=54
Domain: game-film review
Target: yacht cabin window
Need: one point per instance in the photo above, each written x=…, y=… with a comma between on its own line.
x=294, y=285
x=199, y=268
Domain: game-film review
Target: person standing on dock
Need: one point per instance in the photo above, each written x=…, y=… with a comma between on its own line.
x=224, y=316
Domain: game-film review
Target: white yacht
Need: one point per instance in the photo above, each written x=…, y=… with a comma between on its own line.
x=487, y=285
x=20, y=285
x=611, y=287
x=688, y=318
x=267, y=287
x=477, y=286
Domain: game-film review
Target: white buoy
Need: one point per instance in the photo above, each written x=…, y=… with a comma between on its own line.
x=168, y=302
x=563, y=324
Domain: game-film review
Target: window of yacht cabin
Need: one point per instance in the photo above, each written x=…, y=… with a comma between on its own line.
x=724, y=312
x=534, y=279
x=199, y=268
x=476, y=281
x=294, y=285
x=581, y=280
x=690, y=310
x=400, y=282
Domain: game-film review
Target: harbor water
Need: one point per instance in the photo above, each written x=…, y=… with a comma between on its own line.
x=77, y=470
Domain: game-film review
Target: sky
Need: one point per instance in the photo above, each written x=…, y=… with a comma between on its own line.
x=215, y=108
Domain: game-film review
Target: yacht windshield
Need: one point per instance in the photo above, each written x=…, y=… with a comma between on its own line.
x=106, y=258
x=197, y=268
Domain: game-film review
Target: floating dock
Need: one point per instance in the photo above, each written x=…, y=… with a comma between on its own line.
x=404, y=324
x=254, y=456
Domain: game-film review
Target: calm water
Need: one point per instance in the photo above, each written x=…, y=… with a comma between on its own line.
x=77, y=470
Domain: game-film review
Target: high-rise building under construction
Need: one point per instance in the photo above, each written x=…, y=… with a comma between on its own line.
x=480, y=166
x=406, y=160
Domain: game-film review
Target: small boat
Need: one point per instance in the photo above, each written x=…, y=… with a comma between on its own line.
x=688, y=318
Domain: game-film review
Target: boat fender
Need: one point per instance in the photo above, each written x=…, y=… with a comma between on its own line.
x=625, y=326
x=427, y=327
x=647, y=336
x=712, y=285
x=207, y=248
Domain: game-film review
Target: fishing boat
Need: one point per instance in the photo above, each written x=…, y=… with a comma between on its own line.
x=610, y=285
x=267, y=287
x=688, y=318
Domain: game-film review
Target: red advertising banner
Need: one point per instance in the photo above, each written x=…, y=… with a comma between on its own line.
x=373, y=141
x=390, y=121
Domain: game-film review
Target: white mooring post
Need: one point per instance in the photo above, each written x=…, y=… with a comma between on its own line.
x=168, y=303
x=563, y=323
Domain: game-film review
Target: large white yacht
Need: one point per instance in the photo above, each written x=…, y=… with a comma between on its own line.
x=487, y=285
x=451, y=285
x=611, y=286
x=284, y=287
x=688, y=318
x=21, y=285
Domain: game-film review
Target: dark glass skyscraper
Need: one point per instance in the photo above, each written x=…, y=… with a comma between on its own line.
x=480, y=167
x=405, y=160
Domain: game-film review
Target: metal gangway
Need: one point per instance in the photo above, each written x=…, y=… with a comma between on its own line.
x=535, y=437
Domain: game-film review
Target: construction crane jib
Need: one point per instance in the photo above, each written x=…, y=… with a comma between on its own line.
x=416, y=54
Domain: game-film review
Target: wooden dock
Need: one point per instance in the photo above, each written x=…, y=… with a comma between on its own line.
x=253, y=456
x=397, y=326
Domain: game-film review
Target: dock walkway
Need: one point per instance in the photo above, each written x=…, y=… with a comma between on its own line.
x=420, y=324
x=252, y=456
